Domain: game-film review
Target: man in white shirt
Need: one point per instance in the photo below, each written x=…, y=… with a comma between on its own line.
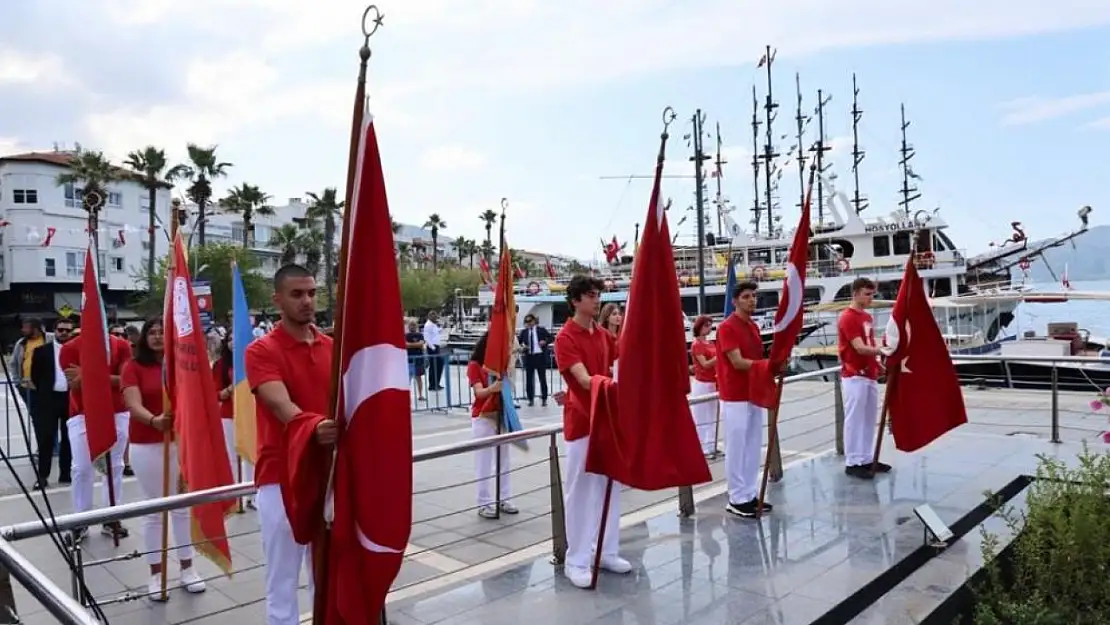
x=434, y=339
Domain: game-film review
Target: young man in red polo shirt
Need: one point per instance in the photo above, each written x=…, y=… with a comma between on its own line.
x=584, y=349
x=289, y=371
x=739, y=343
x=83, y=473
x=859, y=374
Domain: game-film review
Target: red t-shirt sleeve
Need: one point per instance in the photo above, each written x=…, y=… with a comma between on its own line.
x=262, y=365
x=727, y=339
x=567, y=353
x=850, y=327
x=129, y=377
x=68, y=356
x=474, y=374
x=121, y=355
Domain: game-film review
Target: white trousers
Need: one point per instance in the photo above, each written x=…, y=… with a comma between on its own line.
x=485, y=464
x=705, y=415
x=146, y=461
x=233, y=455
x=861, y=417
x=82, y=471
x=284, y=558
x=585, y=496
x=743, y=423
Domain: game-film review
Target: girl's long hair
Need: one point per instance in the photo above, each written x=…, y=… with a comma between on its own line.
x=479, y=353
x=144, y=355
x=226, y=361
x=606, y=312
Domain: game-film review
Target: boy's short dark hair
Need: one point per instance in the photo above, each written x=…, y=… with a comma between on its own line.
x=291, y=270
x=746, y=285
x=861, y=283
x=580, y=285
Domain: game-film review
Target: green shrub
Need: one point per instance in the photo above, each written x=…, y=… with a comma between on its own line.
x=1057, y=569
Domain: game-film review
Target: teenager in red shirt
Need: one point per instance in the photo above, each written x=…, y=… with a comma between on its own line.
x=483, y=425
x=141, y=382
x=222, y=375
x=738, y=345
x=83, y=473
x=703, y=353
x=289, y=371
x=584, y=349
x=859, y=374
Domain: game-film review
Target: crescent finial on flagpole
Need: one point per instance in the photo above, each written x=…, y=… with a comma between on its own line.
x=504, y=205
x=376, y=21
x=668, y=118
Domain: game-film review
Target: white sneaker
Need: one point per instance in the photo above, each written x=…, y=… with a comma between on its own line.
x=154, y=589
x=488, y=511
x=192, y=581
x=616, y=564
x=580, y=576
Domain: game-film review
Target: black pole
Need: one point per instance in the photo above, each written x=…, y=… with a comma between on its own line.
x=859, y=202
x=720, y=162
x=699, y=198
x=757, y=211
x=819, y=149
x=909, y=194
x=769, y=153
x=801, y=119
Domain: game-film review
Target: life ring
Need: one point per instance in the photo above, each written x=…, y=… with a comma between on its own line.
x=926, y=260
x=843, y=265
x=759, y=272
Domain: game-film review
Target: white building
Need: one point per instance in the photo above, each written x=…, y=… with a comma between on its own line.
x=44, y=236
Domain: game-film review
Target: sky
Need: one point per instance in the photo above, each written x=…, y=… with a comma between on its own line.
x=538, y=102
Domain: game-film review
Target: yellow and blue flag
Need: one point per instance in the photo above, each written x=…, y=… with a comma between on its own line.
x=242, y=333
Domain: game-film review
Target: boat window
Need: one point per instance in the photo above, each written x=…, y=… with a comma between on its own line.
x=938, y=244
x=948, y=244
x=881, y=245
x=811, y=295
x=901, y=243
x=845, y=293
x=761, y=256
x=766, y=300
x=781, y=255
x=924, y=241
x=888, y=289
x=940, y=287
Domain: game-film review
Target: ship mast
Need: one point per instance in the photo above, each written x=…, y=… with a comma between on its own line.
x=799, y=147
x=909, y=193
x=819, y=148
x=719, y=173
x=700, y=157
x=769, y=153
x=757, y=211
x=857, y=153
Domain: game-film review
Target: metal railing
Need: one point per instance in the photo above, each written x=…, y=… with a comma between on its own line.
x=812, y=402
x=447, y=370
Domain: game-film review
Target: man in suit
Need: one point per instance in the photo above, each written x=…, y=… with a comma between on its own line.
x=51, y=407
x=535, y=346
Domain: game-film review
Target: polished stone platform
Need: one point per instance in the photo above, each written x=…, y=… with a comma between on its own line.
x=828, y=537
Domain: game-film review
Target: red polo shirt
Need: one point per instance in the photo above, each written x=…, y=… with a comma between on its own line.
x=741, y=334
x=227, y=407
x=854, y=324
x=475, y=375
x=305, y=370
x=708, y=351
x=148, y=379
x=596, y=349
x=70, y=356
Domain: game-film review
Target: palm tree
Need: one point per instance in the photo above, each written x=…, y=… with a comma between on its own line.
x=396, y=226
x=94, y=173
x=150, y=164
x=490, y=218
x=435, y=224
x=487, y=249
x=312, y=244
x=326, y=207
x=404, y=253
x=460, y=248
x=201, y=169
x=287, y=238
x=247, y=201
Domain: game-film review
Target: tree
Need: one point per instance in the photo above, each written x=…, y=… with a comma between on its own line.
x=312, y=244
x=150, y=164
x=94, y=173
x=490, y=218
x=288, y=239
x=327, y=208
x=247, y=201
x=201, y=169
x=435, y=224
x=422, y=290
x=466, y=249
x=211, y=263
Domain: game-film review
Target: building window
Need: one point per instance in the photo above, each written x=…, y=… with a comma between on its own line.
x=116, y=264
x=115, y=199
x=25, y=196
x=73, y=195
x=75, y=264
x=48, y=267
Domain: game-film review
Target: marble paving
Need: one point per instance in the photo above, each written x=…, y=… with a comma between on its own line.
x=451, y=548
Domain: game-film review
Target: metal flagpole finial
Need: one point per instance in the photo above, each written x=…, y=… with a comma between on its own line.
x=372, y=20
x=668, y=118
x=504, y=206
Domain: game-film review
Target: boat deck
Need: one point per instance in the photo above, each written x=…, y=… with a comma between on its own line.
x=461, y=569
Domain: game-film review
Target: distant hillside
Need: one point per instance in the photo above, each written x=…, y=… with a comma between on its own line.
x=1088, y=260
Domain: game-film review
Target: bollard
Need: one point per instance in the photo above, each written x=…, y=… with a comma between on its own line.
x=838, y=406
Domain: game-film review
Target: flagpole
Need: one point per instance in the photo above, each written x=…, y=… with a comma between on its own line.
x=504, y=376
x=717, y=422
x=167, y=407
x=321, y=545
x=884, y=415
x=668, y=118
x=772, y=441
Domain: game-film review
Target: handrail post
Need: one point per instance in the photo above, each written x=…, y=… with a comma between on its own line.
x=448, y=371
x=838, y=409
x=8, y=612
x=1055, y=404
x=558, y=520
x=775, y=451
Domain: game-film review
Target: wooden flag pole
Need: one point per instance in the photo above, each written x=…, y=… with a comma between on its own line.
x=239, y=479
x=772, y=441
x=891, y=378
x=167, y=408
x=322, y=543
x=601, y=533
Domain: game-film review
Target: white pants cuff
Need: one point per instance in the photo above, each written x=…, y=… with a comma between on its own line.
x=284, y=558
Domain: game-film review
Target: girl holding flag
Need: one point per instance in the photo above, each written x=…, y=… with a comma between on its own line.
x=141, y=381
x=222, y=375
x=482, y=425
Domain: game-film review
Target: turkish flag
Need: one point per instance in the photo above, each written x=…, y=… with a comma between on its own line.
x=373, y=467
x=197, y=423
x=923, y=394
x=96, y=383
x=788, y=317
x=648, y=440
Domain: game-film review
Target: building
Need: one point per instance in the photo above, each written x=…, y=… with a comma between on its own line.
x=44, y=237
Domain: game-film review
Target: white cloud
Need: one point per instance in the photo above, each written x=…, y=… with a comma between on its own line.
x=20, y=68
x=1102, y=123
x=453, y=158
x=12, y=145
x=1034, y=109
